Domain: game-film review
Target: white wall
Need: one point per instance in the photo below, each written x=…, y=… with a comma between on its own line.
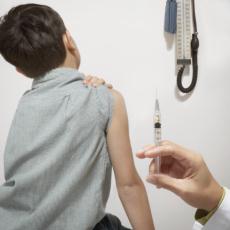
x=123, y=42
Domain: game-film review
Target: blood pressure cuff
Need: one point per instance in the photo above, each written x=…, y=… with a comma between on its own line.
x=170, y=16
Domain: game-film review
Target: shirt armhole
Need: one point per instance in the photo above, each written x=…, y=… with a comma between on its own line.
x=105, y=105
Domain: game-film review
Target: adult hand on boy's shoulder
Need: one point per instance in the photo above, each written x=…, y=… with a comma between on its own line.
x=95, y=81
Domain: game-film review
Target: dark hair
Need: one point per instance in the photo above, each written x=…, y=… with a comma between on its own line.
x=31, y=38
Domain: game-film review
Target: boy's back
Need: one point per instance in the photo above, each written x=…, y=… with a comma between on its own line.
x=57, y=165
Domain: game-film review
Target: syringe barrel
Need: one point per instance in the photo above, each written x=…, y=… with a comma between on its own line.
x=157, y=136
x=157, y=142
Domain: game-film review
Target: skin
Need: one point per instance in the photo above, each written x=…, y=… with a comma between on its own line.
x=184, y=173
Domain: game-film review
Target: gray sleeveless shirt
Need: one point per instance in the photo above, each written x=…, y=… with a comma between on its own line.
x=57, y=167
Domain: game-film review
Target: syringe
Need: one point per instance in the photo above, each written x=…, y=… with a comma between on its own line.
x=157, y=128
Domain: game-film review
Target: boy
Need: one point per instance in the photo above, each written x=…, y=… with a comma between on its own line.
x=57, y=166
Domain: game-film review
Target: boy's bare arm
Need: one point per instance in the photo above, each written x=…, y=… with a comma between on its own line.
x=129, y=185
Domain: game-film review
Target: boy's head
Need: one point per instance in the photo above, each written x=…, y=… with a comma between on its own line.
x=34, y=39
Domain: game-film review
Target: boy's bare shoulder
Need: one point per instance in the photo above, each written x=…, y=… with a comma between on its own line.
x=118, y=97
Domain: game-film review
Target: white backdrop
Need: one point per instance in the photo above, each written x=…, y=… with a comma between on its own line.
x=123, y=42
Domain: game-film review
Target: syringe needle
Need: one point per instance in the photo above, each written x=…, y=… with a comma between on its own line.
x=157, y=106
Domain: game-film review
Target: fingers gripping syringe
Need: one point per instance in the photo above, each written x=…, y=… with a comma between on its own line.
x=157, y=128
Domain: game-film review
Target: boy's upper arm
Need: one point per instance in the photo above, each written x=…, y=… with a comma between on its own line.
x=119, y=144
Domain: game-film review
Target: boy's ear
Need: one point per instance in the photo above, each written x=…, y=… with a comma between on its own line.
x=19, y=70
x=69, y=42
